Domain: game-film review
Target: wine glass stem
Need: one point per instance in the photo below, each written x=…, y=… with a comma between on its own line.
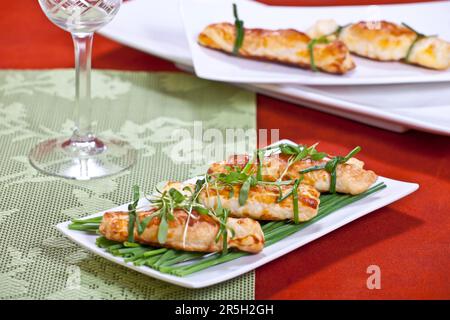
x=83, y=111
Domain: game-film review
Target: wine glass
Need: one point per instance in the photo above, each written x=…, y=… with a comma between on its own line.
x=82, y=156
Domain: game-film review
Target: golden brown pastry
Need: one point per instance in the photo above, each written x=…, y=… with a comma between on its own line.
x=287, y=46
x=262, y=202
x=387, y=41
x=351, y=177
x=431, y=52
x=200, y=236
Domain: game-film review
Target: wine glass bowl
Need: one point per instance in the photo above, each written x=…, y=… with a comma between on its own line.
x=80, y=16
x=82, y=156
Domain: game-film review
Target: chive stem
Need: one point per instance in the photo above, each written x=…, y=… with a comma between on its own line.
x=239, y=30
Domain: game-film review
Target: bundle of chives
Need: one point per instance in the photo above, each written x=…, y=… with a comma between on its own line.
x=157, y=258
x=175, y=262
x=91, y=224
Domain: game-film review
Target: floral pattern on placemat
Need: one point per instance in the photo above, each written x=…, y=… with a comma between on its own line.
x=36, y=262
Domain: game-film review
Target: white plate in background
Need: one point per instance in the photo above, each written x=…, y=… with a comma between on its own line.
x=155, y=27
x=214, y=65
x=397, y=108
x=394, y=191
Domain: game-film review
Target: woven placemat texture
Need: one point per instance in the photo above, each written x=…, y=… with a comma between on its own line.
x=36, y=261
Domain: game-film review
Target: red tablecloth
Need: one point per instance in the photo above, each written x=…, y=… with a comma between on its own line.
x=409, y=240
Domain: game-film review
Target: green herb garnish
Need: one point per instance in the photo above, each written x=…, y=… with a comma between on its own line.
x=180, y=263
x=311, y=44
x=297, y=153
x=413, y=30
x=163, y=229
x=419, y=36
x=239, y=30
x=295, y=200
x=331, y=167
x=259, y=158
x=166, y=203
x=243, y=193
x=282, y=197
x=222, y=214
x=322, y=39
x=132, y=215
x=338, y=30
x=243, y=177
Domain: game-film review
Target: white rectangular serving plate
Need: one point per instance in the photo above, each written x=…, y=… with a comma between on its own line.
x=394, y=191
x=155, y=27
x=214, y=65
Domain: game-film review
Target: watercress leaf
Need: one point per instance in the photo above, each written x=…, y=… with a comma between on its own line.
x=288, y=149
x=163, y=230
x=301, y=155
x=233, y=233
x=176, y=196
x=200, y=209
x=143, y=224
x=318, y=155
x=219, y=208
x=198, y=185
x=188, y=189
x=243, y=193
x=170, y=215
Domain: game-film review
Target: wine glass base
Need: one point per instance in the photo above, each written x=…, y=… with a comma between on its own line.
x=82, y=161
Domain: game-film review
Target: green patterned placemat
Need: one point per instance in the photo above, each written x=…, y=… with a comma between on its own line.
x=36, y=262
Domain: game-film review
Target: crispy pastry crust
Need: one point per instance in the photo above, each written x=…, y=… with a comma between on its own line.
x=352, y=178
x=200, y=236
x=262, y=202
x=387, y=41
x=431, y=52
x=287, y=46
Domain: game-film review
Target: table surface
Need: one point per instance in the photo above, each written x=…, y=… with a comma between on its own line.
x=409, y=240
